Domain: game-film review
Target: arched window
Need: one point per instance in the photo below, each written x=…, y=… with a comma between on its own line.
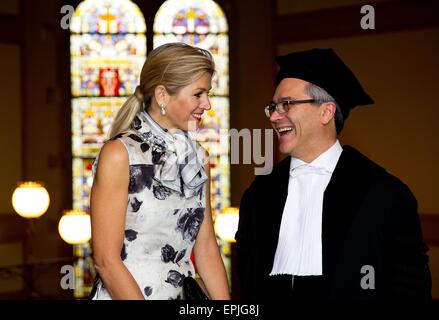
x=108, y=49
x=202, y=23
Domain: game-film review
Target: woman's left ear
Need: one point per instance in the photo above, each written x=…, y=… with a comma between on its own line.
x=161, y=95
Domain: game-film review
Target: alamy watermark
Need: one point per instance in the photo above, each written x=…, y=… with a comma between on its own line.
x=65, y=20
x=368, y=20
x=250, y=142
x=67, y=281
x=251, y=148
x=368, y=280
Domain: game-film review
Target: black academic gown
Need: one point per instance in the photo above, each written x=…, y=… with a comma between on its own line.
x=372, y=245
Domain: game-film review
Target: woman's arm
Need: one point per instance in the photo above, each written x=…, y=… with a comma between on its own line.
x=108, y=205
x=208, y=260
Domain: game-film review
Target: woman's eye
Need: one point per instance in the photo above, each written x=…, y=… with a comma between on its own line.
x=198, y=95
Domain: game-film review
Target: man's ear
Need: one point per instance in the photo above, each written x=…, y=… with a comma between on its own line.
x=327, y=112
x=160, y=94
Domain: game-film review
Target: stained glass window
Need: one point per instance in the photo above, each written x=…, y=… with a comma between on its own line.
x=108, y=49
x=202, y=23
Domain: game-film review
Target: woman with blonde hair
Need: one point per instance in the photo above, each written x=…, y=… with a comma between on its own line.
x=150, y=199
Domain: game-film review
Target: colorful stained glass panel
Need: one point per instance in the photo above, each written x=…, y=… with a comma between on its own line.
x=107, y=16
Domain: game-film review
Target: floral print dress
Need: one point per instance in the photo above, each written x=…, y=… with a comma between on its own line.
x=161, y=224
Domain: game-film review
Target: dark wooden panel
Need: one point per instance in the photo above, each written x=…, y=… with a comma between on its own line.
x=12, y=228
x=345, y=21
x=16, y=295
x=10, y=29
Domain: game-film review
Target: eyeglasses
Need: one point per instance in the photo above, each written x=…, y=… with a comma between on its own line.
x=283, y=106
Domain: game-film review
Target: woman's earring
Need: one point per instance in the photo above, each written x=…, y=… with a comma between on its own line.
x=162, y=109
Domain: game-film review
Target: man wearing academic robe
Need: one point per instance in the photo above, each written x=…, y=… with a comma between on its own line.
x=327, y=222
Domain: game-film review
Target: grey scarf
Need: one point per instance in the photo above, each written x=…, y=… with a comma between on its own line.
x=180, y=166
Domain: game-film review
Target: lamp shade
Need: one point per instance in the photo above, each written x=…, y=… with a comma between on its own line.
x=226, y=224
x=30, y=199
x=75, y=227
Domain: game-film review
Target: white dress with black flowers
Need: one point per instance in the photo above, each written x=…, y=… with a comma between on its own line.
x=161, y=224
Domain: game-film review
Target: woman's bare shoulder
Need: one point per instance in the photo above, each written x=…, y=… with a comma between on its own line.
x=113, y=155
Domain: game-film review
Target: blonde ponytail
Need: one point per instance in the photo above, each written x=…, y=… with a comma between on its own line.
x=126, y=114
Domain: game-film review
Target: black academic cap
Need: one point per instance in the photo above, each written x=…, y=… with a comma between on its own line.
x=325, y=69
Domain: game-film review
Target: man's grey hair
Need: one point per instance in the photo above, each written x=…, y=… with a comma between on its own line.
x=322, y=96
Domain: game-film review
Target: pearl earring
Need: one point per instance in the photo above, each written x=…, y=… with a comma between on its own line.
x=162, y=109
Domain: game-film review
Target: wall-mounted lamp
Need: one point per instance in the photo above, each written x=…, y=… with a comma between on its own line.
x=226, y=223
x=75, y=227
x=30, y=200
